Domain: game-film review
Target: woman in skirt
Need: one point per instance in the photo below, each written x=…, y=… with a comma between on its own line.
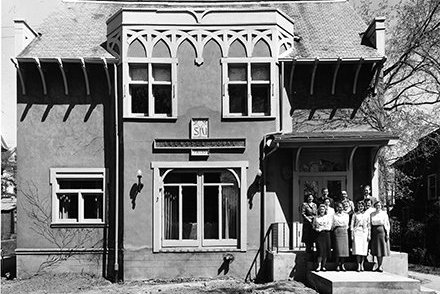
x=360, y=225
x=379, y=232
x=322, y=224
x=340, y=232
x=308, y=211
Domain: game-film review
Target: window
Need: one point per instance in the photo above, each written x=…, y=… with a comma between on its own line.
x=248, y=89
x=199, y=208
x=151, y=88
x=77, y=195
x=432, y=187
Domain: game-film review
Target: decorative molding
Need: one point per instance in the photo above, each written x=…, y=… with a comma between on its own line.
x=63, y=74
x=20, y=75
x=107, y=75
x=40, y=70
x=356, y=76
x=204, y=144
x=114, y=43
x=274, y=37
x=86, y=78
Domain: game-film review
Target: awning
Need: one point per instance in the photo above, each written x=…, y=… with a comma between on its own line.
x=331, y=139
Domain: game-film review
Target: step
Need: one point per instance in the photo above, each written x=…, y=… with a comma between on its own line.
x=351, y=282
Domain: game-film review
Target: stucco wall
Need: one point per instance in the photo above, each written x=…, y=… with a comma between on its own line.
x=199, y=96
x=56, y=130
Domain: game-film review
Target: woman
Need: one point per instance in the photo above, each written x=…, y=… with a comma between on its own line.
x=360, y=226
x=379, y=232
x=346, y=201
x=322, y=225
x=329, y=210
x=308, y=211
x=340, y=232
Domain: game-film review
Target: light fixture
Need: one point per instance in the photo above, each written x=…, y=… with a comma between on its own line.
x=139, y=184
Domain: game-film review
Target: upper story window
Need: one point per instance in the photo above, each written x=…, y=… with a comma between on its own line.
x=248, y=89
x=77, y=195
x=432, y=187
x=151, y=83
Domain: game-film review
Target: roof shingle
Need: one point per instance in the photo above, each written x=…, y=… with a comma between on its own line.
x=327, y=29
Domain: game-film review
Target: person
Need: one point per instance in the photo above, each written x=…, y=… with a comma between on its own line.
x=308, y=211
x=324, y=195
x=369, y=206
x=360, y=227
x=322, y=225
x=379, y=234
x=340, y=236
x=367, y=194
x=329, y=209
x=348, y=209
x=344, y=198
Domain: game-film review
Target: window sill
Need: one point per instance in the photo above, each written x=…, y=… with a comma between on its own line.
x=150, y=118
x=77, y=225
x=201, y=250
x=247, y=117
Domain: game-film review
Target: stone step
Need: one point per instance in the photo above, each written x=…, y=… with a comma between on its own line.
x=349, y=266
x=350, y=282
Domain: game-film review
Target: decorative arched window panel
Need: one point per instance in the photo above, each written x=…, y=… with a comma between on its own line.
x=200, y=206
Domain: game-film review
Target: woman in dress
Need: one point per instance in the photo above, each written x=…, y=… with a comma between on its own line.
x=322, y=225
x=340, y=232
x=360, y=226
x=329, y=210
x=308, y=211
x=379, y=232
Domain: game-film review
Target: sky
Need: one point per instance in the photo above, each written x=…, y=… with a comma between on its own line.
x=33, y=12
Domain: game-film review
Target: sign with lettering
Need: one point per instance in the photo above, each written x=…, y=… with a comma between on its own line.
x=199, y=128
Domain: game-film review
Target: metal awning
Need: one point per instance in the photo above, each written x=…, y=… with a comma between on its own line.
x=330, y=139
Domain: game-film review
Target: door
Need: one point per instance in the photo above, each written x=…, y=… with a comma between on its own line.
x=314, y=185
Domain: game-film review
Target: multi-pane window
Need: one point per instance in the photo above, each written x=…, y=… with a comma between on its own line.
x=201, y=208
x=77, y=196
x=151, y=90
x=248, y=89
x=432, y=187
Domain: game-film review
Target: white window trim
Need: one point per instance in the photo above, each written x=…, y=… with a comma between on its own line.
x=273, y=85
x=429, y=179
x=80, y=173
x=211, y=245
x=127, y=82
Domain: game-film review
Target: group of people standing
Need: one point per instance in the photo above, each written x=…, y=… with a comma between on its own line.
x=339, y=227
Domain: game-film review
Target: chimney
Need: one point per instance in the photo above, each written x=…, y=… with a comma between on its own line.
x=374, y=36
x=24, y=34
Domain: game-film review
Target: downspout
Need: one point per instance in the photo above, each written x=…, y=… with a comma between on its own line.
x=116, y=266
x=264, y=157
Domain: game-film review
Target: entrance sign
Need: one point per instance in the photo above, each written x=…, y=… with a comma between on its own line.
x=199, y=128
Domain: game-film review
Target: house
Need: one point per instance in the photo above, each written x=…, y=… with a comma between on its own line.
x=169, y=139
x=418, y=176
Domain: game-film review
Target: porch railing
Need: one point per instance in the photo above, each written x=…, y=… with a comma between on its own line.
x=286, y=236
x=280, y=236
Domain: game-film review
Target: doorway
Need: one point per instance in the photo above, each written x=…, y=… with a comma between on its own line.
x=314, y=185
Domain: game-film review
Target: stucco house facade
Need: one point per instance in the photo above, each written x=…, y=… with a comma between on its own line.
x=167, y=139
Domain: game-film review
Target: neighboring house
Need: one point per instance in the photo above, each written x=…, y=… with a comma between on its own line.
x=418, y=190
x=164, y=139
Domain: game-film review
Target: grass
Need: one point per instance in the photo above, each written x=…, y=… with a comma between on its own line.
x=424, y=269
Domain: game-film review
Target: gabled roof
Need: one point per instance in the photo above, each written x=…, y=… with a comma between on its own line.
x=327, y=29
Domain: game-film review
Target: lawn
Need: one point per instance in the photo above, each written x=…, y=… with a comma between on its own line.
x=88, y=284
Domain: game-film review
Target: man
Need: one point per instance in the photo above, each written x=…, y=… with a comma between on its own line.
x=367, y=194
x=324, y=195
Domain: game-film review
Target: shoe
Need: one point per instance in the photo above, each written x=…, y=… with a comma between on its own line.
x=358, y=270
x=324, y=269
x=362, y=268
x=338, y=268
x=317, y=269
x=343, y=268
x=380, y=270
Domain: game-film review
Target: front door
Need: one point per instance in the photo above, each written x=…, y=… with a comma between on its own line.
x=314, y=185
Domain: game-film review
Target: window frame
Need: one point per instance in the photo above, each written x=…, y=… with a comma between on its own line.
x=77, y=173
x=200, y=244
x=273, y=86
x=150, y=82
x=432, y=178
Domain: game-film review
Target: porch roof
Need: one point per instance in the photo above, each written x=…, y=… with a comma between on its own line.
x=336, y=138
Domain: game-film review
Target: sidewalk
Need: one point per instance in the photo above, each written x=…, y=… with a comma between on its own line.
x=427, y=280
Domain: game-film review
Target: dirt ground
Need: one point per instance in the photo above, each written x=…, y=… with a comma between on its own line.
x=87, y=284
